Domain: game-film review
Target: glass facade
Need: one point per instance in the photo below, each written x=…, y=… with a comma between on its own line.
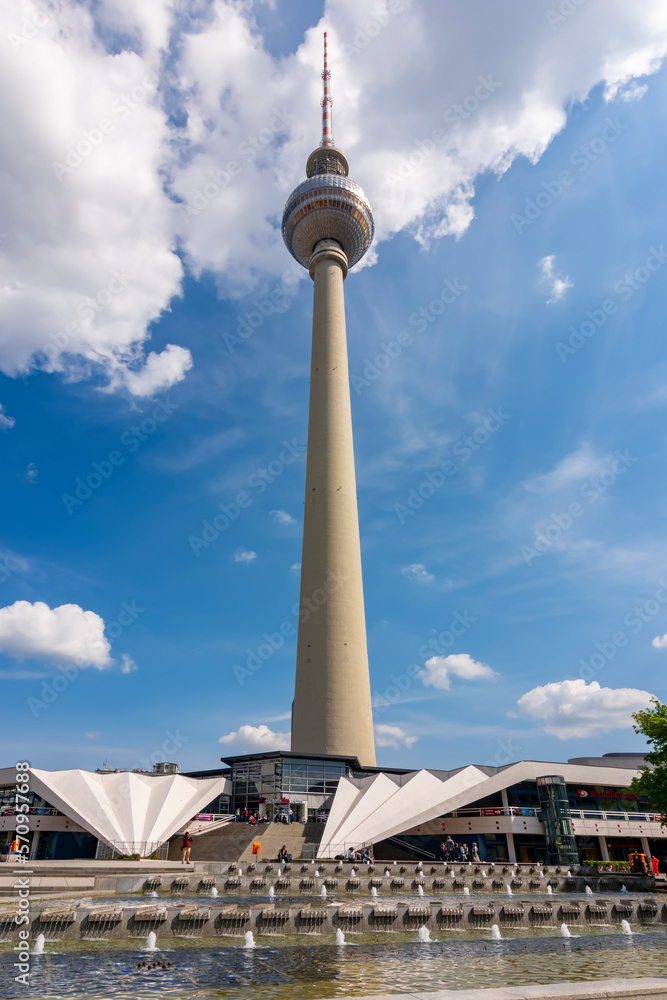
x=270, y=787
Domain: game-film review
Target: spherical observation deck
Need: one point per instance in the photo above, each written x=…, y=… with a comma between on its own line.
x=328, y=206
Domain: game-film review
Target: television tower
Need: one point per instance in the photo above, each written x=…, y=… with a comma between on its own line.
x=328, y=227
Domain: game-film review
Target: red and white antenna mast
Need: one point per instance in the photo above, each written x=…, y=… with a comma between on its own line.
x=327, y=138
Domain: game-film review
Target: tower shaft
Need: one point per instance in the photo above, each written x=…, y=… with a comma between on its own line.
x=332, y=711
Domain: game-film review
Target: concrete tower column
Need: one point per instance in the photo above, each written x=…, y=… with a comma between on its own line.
x=332, y=711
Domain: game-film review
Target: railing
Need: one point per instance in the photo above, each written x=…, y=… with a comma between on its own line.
x=412, y=848
x=619, y=817
x=117, y=849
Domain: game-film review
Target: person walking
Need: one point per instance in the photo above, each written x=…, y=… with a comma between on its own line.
x=449, y=848
x=443, y=852
x=186, y=846
x=291, y=815
x=462, y=853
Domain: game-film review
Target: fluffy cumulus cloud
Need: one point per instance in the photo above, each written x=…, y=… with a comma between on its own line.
x=660, y=641
x=571, y=709
x=243, y=556
x=393, y=737
x=256, y=738
x=89, y=259
x=66, y=634
x=439, y=670
x=104, y=181
x=418, y=573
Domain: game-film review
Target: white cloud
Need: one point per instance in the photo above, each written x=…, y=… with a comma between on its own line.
x=242, y=556
x=660, y=641
x=32, y=472
x=394, y=737
x=256, y=738
x=66, y=634
x=5, y=421
x=282, y=517
x=439, y=670
x=571, y=709
x=89, y=261
x=571, y=471
x=417, y=572
x=508, y=106
x=296, y=568
x=91, y=735
x=128, y=664
x=559, y=286
x=158, y=372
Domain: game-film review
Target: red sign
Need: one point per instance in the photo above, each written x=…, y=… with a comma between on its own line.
x=496, y=811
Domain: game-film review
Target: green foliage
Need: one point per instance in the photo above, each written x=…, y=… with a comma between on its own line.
x=614, y=866
x=652, y=782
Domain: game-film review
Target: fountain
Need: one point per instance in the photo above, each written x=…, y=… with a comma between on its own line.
x=565, y=931
x=623, y=888
x=153, y=893
x=151, y=940
x=39, y=945
x=249, y=940
x=214, y=892
x=353, y=872
x=424, y=935
x=279, y=872
x=374, y=891
x=509, y=890
x=323, y=891
x=589, y=891
x=466, y=890
x=340, y=938
x=625, y=927
x=420, y=890
x=495, y=933
x=386, y=871
x=550, y=891
x=272, y=892
x=240, y=873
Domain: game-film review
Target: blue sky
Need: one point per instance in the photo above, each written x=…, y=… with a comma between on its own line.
x=514, y=606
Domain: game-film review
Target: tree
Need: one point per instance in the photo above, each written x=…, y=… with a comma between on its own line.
x=652, y=782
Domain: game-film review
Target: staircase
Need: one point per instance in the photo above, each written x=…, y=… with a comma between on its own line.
x=225, y=842
x=295, y=837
